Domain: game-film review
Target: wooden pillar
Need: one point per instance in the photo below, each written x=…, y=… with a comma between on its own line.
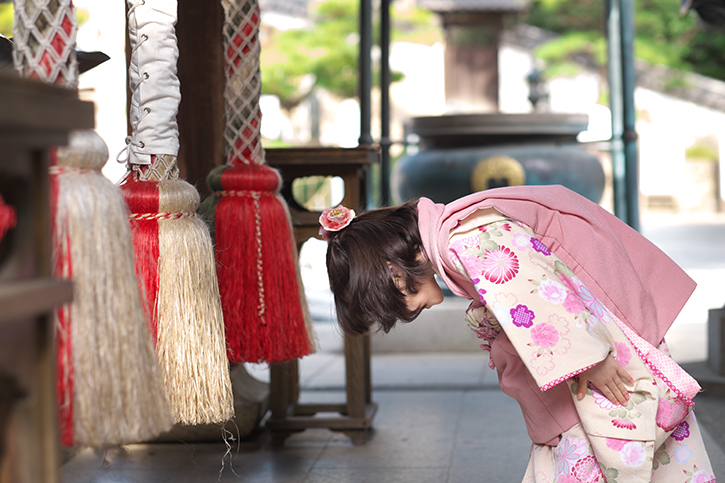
x=201, y=73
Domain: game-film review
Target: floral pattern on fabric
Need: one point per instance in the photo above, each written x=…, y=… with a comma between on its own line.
x=559, y=329
x=534, y=298
x=575, y=460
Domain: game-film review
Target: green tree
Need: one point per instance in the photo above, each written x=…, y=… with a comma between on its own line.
x=663, y=36
x=294, y=62
x=6, y=19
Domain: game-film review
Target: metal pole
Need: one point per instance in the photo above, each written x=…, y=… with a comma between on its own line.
x=366, y=76
x=629, y=135
x=614, y=51
x=385, y=102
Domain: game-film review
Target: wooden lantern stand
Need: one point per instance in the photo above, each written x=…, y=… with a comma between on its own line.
x=355, y=415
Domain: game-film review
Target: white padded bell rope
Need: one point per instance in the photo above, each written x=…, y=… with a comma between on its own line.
x=152, y=77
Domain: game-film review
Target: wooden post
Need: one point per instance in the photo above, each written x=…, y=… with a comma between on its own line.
x=201, y=73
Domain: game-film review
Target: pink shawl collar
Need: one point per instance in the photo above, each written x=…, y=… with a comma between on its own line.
x=624, y=270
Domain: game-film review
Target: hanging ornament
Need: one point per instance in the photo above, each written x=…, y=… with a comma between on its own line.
x=265, y=311
x=109, y=384
x=174, y=253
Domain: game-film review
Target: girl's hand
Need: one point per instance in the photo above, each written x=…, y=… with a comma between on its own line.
x=607, y=376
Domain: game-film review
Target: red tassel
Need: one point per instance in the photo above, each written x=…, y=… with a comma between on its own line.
x=8, y=218
x=256, y=270
x=142, y=197
x=62, y=268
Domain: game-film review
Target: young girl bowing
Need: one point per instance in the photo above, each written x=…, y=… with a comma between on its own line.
x=572, y=304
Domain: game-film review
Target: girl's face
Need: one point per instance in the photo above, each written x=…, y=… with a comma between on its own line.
x=428, y=295
x=429, y=292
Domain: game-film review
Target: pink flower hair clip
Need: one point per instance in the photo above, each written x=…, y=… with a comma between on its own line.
x=335, y=219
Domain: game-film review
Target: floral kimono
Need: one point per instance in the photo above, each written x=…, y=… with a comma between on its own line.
x=537, y=307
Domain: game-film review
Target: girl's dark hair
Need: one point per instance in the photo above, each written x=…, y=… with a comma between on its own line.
x=360, y=276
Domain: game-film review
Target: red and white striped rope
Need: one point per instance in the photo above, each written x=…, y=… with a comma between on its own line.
x=55, y=170
x=243, y=193
x=161, y=216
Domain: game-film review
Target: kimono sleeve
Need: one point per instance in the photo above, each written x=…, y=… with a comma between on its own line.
x=536, y=299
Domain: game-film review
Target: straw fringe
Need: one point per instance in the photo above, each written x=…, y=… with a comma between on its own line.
x=117, y=392
x=190, y=334
x=312, y=340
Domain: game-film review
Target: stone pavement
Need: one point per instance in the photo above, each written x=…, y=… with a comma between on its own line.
x=441, y=419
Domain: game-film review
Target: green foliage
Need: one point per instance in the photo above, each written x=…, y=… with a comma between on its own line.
x=6, y=19
x=326, y=55
x=560, y=54
x=701, y=151
x=415, y=25
x=274, y=143
x=662, y=37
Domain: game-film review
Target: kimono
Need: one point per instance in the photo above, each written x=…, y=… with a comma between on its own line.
x=543, y=326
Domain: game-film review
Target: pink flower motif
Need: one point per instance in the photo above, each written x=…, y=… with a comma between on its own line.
x=501, y=265
x=544, y=335
x=624, y=355
x=616, y=444
x=572, y=304
x=603, y=402
x=670, y=413
x=552, y=291
x=623, y=423
x=520, y=242
x=702, y=476
x=682, y=431
x=586, y=470
x=633, y=454
x=472, y=263
x=335, y=219
x=522, y=316
x=506, y=227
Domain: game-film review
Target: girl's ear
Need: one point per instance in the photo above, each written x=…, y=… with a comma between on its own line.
x=397, y=275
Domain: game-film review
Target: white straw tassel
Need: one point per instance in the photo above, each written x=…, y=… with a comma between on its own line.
x=118, y=392
x=190, y=340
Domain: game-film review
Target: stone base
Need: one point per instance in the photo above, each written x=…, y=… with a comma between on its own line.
x=251, y=402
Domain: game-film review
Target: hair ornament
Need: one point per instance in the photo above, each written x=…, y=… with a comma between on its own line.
x=335, y=219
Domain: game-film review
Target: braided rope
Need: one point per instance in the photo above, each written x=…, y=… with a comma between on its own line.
x=161, y=216
x=244, y=82
x=261, y=307
x=56, y=170
x=244, y=193
x=44, y=35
